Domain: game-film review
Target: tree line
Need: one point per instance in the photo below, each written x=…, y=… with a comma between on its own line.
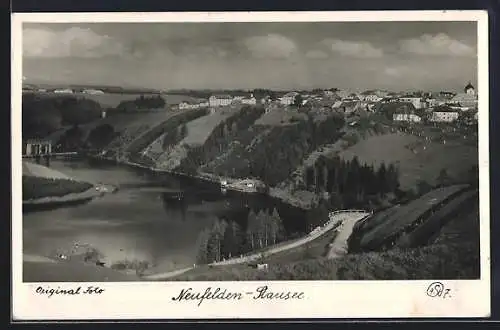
x=142, y=103
x=348, y=182
x=227, y=239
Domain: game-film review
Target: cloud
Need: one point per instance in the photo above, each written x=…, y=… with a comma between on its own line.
x=272, y=46
x=394, y=71
x=72, y=42
x=439, y=44
x=354, y=49
x=316, y=54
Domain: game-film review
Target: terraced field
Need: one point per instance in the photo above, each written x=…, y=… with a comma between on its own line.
x=376, y=230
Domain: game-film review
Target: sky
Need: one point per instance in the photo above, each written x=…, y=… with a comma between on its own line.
x=351, y=55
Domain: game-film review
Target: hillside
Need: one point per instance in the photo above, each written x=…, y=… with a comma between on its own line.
x=416, y=158
x=450, y=251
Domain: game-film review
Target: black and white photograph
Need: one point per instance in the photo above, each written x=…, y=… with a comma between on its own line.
x=221, y=151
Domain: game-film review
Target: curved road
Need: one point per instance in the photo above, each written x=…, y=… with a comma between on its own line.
x=339, y=247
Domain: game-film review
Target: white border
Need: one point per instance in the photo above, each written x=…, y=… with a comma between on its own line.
x=323, y=299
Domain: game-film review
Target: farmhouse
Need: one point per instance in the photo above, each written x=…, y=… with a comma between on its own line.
x=220, y=100
x=444, y=116
x=408, y=117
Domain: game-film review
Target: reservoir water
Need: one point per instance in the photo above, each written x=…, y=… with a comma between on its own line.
x=143, y=220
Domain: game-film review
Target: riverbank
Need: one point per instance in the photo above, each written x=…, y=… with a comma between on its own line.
x=304, y=200
x=43, y=269
x=43, y=187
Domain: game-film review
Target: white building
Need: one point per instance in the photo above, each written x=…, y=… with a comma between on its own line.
x=93, y=91
x=444, y=116
x=288, y=98
x=416, y=101
x=251, y=100
x=408, y=117
x=371, y=98
x=63, y=91
x=193, y=105
x=220, y=100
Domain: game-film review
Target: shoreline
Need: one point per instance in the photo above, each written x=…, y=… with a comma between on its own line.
x=273, y=192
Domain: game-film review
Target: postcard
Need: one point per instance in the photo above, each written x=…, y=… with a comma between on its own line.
x=247, y=165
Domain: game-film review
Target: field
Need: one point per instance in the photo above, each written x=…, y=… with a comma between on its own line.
x=200, y=129
x=416, y=158
x=280, y=117
x=385, y=225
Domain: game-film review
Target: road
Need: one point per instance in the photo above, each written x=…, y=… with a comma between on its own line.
x=339, y=245
x=349, y=218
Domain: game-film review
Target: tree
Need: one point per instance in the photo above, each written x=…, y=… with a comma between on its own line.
x=202, y=246
x=232, y=241
x=392, y=178
x=298, y=101
x=443, y=178
x=101, y=135
x=382, y=178
x=252, y=229
x=279, y=233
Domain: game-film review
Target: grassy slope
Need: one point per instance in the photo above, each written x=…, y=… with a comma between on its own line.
x=32, y=169
x=426, y=164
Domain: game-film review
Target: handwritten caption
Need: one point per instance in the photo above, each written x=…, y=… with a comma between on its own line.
x=262, y=293
x=49, y=292
x=438, y=290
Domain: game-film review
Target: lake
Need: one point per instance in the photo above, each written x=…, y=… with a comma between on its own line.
x=143, y=220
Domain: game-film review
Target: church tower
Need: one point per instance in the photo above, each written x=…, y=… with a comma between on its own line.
x=469, y=89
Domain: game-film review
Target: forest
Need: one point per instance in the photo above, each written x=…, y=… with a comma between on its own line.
x=43, y=115
x=227, y=239
x=277, y=151
x=349, y=183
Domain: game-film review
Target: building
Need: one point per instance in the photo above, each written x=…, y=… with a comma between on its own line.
x=371, y=98
x=408, y=117
x=467, y=99
x=469, y=89
x=250, y=100
x=220, y=100
x=192, y=105
x=36, y=147
x=63, y=91
x=93, y=91
x=416, y=101
x=444, y=116
x=288, y=98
